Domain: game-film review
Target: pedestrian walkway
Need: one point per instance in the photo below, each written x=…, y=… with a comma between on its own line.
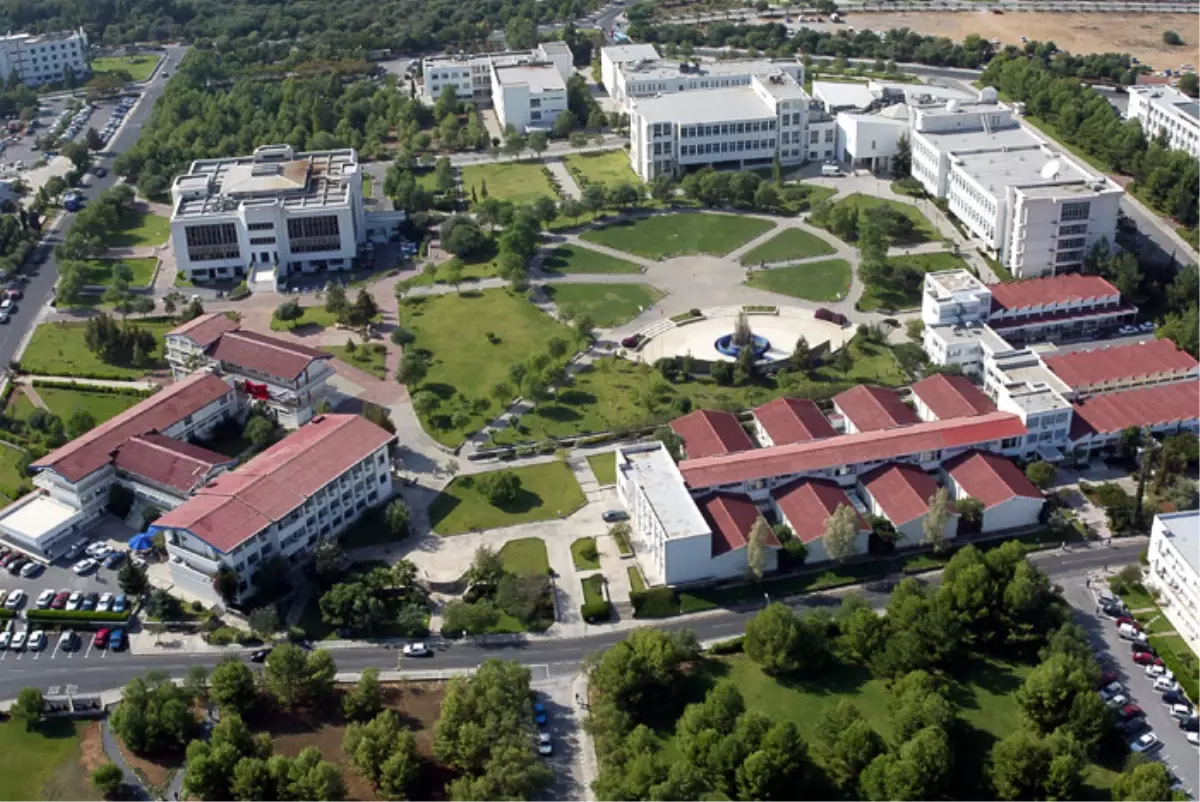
x=26, y=381
x=565, y=180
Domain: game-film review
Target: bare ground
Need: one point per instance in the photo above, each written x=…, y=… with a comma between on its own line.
x=73, y=780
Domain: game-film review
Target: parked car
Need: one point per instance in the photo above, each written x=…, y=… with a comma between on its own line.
x=1106, y=679
x=1157, y=669
x=101, y=639
x=1130, y=633
x=17, y=644
x=89, y=601
x=37, y=641
x=1147, y=326
x=1145, y=659
x=5, y=639
x=116, y=641
x=1189, y=724
x=1110, y=690
x=545, y=746
x=15, y=600
x=1118, y=701
x=83, y=566
x=44, y=599
x=119, y=603
x=540, y=716
x=76, y=600
x=114, y=559
x=1174, y=697
x=98, y=550
x=60, y=600
x=1138, y=646
x=1165, y=684
x=1131, y=726
x=1147, y=742
x=1128, y=620
x=612, y=516
x=16, y=565
x=1131, y=711
x=66, y=641
x=105, y=603
x=1181, y=711
x=74, y=551
x=1193, y=738
x=32, y=569
x=830, y=316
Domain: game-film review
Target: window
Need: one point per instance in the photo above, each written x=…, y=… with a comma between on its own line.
x=260, y=227
x=262, y=240
x=214, y=241
x=535, y=103
x=829, y=132
x=535, y=115
x=1077, y=242
x=813, y=138
x=1080, y=210
x=308, y=234
x=1079, y=228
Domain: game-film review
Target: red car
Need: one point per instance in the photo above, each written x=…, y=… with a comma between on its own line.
x=1106, y=679
x=1127, y=620
x=1146, y=659
x=15, y=294
x=1131, y=711
x=60, y=600
x=101, y=639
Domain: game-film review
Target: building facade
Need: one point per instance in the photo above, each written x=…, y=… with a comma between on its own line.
x=472, y=75
x=1174, y=571
x=48, y=58
x=1164, y=109
x=529, y=97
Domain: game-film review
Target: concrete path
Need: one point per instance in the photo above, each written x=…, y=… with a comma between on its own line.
x=27, y=389
x=564, y=178
x=28, y=380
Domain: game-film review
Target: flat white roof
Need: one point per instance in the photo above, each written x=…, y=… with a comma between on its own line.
x=37, y=518
x=713, y=105
x=997, y=169
x=1183, y=529
x=837, y=94
x=661, y=69
x=538, y=77
x=621, y=53
x=658, y=476
x=1171, y=101
x=998, y=139
x=947, y=282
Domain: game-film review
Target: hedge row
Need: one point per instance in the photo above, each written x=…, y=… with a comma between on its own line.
x=77, y=615
x=660, y=602
x=731, y=646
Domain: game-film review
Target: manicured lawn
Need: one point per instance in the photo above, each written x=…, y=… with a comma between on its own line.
x=581, y=554
x=11, y=481
x=139, y=67
x=636, y=583
x=365, y=357
x=33, y=758
x=593, y=589
x=607, y=304
x=827, y=280
x=139, y=229
x=667, y=235
x=101, y=271
x=525, y=556
x=63, y=402
x=511, y=181
x=311, y=316
x=1179, y=657
x=368, y=182
x=895, y=296
x=19, y=406
x=923, y=230
x=610, y=167
x=547, y=491
x=604, y=466
x=464, y=362
x=574, y=259
x=58, y=349
x=788, y=245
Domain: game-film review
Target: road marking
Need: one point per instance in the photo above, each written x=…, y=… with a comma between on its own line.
x=89, y=648
x=54, y=653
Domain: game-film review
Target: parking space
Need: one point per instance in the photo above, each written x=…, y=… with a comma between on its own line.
x=562, y=725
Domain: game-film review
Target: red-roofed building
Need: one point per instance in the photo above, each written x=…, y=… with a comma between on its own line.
x=731, y=518
x=707, y=433
x=310, y=486
x=1009, y=499
x=806, y=505
x=868, y=409
x=941, y=397
x=901, y=492
x=167, y=469
x=1050, y=307
x=791, y=420
x=1098, y=421
x=1123, y=367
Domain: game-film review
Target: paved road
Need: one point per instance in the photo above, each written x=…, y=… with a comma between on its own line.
x=551, y=657
x=42, y=277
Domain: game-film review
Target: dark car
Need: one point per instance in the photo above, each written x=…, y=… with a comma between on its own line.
x=612, y=516
x=261, y=655
x=89, y=601
x=830, y=316
x=1174, y=698
x=99, y=171
x=1106, y=679
x=114, y=559
x=1189, y=724
x=1131, y=711
x=1138, y=647
x=1131, y=726
x=116, y=641
x=16, y=565
x=540, y=716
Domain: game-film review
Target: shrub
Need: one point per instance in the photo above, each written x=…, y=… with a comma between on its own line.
x=731, y=646
x=654, y=603
x=596, y=611
x=63, y=616
x=239, y=292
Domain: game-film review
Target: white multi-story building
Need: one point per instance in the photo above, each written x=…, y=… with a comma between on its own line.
x=471, y=75
x=613, y=58
x=269, y=215
x=1164, y=108
x=529, y=97
x=654, y=78
x=310, y=486
x=44, y=58
x=1175, y=571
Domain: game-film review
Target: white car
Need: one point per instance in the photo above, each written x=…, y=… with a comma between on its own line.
x=1164, y=684
x=1147, y=742
x=83, y=566
x=1127, y=330
x=1110, y=690
x=75, y=600
x=66, y=641
x=37, y=641
x=545, y=746
x=1156, y=670
x=1193, y=738
x=98, y=549
x=44, y=598
x=105, y=603
x=1116, y=702
x=1181, y=711
x=5, y=639
x=17, y=643
x=1148, y=326
x=15, y=599
x=415, y=650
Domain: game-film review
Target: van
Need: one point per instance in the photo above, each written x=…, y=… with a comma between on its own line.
x=829, y=170
x=1130, y=632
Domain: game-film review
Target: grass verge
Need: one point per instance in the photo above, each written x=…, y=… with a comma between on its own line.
x=584, y=554
x=604, y=467
x=577, y=259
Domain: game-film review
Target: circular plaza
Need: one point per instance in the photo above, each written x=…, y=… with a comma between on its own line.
x=699, y=337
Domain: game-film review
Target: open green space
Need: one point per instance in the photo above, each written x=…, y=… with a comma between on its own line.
x=923, y=230
x=525, y=556
x=427, y=180
x=575, y=259
x=19, y=406
x=139, y=229
x=667, y=235
x=32, y=758
x=827, y=280
x=317, y=316
x=102, y=271
x=584, y=554
x=11, y=480
x=636, y=583
x=547, y=491
x=58, y=349
x=518, y=182
x=364, y=357
x=139, y=67
x=471, y=339
x=607, y=304
x=788, y=245
x=905, y=295
x=604, y=466
x=608, y=167
x=63, y=402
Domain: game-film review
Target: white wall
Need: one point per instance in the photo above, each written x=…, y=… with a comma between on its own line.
x=1015, y=512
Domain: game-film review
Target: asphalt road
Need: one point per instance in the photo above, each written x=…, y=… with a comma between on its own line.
x=551, y=657
x=41, y=278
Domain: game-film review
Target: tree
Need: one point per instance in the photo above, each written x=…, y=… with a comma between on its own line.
x=397, y=517
x=841, y=533
x=329, y=559
x=226, y=583
x=1172, y=38
x=335, y=299
x=847, y=747
x=196, y=683
x=108, y=778
x=154, y=715
x=29, y=707
x=756, y=548
x=1145, y=780
x=260, y=431
x=81, y=421
x=545, y=209
x=499, y=487
x=593, y=197
x=289, y=310
x=538, y=143
x=641, y=672
x=774, y=639
x=264, y=621
x=1041, y=473
x=132, y=580
x=902, y=161
x=1189, y=84
x=1048, y=693
x=365, y=699
x=970, y=511
x=486, y=568
x=232, y=687
x=294, y=675
x=937, y=519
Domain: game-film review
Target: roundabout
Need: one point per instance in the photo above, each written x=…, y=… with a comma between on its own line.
x=709, y=337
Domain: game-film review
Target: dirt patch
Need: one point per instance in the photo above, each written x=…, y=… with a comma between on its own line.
x=73, y=779
x=91, y=747
x=156, y=772
x=1139, y=35
x=418, y=704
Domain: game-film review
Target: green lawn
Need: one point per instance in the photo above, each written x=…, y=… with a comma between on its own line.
x=607, y=304
x=519, y=182
x=100, y=271
x=427, y=180
x=525, y=556
x=604, y=466
x=139, y=67
x=63, y=402
x=367, y=184
x=137, y=229
x=19, y=406
x=464, y=361
x=580, y=554
x=788, y=245
x=365, y=357
x=610, y=167
x=636, y=583
x=827, y=280
x=547, y=491
x=1180, y=658
x=11, y=481
x=310, y=316
x=574, y=259
x=58, y=349
x=34, y=758
x=895, y=296
x=593, y=589
x=667, y=235
x=923, y=230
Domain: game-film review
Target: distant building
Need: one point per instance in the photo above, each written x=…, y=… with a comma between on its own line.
x=1010, y=500
x=1164, y=109
x=1174, y=571
x=45, y=58
x=529, y=97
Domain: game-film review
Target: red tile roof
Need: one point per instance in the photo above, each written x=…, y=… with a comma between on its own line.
x=706, y=433
x=872, y=408
x=793, y=420
x=808, y=503
x=952, y=397
x=93, y=450
x=731, y=518
x=235, y=506
x=902, y=491
x=1145, y=406
x=206, y=329
x=850, y=449
x=1048, y=290
x=168, y=462
x=1148, y=359
x=991, y=478
x=270, y=356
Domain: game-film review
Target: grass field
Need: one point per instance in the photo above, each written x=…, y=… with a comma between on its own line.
x=63, y=402
x=827, y=280
x=11, y=481
x=593, y=589
x=453, y=329
x=610, y=167
x=604, y=466
x=33, y=758
x=894, y=296
x=580, y=554
x=923, y=230
x=100, y=271
x=668, y=235
x=574, y=259
x=519, y=182
x=525, y=556
x=787, y=245
x=547, y=491
x=607, y=304
x=311, y=316
x=367, y=184
x=58, y=349
x=139, y=67
x=365, y=357
x=139, y=229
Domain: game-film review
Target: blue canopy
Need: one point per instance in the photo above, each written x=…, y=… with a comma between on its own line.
x=141, y=542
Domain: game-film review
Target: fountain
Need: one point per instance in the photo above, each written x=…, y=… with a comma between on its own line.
x=742, y=338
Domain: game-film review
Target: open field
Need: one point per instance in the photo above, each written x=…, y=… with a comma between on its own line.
x=609, y=167
x=369, y=358
x=787, y=245
x=34, y=758
x=525, y=556
x=140, y=229
x=519, y=182
x=310, y=316
x=574, y=259
x=138, y=66
x=547, y=491
x=922, y=230
x=607, y=304
x=101, y=271
x=63, y=402
x=58, y=349
x=668, y=235
x=827, y=280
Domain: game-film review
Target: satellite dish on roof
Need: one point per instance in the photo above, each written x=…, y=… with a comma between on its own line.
x=1050, y=169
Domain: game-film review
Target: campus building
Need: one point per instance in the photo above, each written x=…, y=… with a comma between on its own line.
x=529, y=97
x=267, y=216
x=1164, y=109
x=471, y=74
x=44, y=58
x=311, y=486
x=1174, y=571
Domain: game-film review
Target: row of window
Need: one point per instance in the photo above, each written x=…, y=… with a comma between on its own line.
x=737, y=146
x=724, y=129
